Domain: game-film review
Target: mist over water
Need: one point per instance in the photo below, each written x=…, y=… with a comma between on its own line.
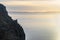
x=38, y=26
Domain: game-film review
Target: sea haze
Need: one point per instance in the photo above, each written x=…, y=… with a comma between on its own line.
x=37, y=26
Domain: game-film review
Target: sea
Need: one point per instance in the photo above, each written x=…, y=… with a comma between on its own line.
x=39, y=26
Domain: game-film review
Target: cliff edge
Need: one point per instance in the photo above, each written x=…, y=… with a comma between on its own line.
x=9, y=28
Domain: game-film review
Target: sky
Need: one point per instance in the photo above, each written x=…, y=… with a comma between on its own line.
x=25, y=0
x=32, y=5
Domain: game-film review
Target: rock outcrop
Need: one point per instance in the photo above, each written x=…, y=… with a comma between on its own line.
x=9, y=28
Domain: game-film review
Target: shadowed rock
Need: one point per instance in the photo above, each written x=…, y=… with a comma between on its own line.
x=9, y=28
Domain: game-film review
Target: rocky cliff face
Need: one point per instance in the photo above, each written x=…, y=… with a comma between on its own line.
x=9, y=28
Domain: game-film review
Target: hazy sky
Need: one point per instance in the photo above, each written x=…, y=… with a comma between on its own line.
x=25, y=0
x=32, y=6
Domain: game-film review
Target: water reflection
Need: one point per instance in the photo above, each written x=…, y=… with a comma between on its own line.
x=37, y=26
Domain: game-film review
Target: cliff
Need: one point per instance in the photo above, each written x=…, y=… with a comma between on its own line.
x=9, y=28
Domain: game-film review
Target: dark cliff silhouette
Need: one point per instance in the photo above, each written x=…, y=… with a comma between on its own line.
x=9, y=28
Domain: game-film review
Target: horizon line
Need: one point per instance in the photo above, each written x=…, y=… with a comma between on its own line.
x=32, y=12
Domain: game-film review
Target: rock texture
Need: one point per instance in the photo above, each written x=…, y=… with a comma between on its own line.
x=9, y=28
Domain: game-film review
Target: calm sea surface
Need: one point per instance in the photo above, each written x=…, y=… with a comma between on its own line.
x=39, y=26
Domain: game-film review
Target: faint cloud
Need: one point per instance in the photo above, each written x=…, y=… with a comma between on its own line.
x=32, y=6
x=26, y=0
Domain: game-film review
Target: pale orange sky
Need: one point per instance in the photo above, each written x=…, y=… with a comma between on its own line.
x=34, y=6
